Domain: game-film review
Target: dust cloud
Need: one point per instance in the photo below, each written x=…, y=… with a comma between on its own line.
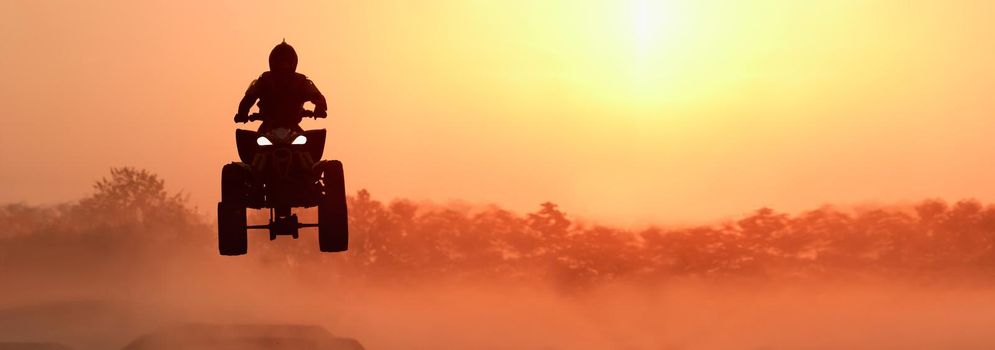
x=131, y=260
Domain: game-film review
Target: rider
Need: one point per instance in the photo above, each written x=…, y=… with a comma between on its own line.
x=282, y=93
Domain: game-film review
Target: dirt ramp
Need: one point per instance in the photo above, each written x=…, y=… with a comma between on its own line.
x=33, y=346
x=82, y=324
x=249, y=337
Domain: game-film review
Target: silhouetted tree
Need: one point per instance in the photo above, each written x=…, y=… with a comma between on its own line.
x=403, y=241
x=134, y=198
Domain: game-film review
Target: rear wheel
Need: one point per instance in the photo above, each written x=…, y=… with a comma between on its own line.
x=333, y=217
x=232, y=235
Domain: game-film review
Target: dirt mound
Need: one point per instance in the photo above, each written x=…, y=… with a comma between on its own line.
x=270, y=337
x=33, y=346
x=84, y=324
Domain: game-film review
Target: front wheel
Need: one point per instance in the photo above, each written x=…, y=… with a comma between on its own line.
x=333, y=217
x=232, y=236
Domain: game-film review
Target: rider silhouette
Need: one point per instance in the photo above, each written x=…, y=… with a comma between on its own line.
x=282, y=93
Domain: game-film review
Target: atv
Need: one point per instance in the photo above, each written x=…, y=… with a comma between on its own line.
x=282, y=169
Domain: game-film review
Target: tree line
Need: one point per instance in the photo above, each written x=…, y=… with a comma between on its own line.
x=403, y=240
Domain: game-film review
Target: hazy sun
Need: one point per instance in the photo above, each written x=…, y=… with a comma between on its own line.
x=651, y=24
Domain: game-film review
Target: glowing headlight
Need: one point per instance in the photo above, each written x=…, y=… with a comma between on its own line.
x=263, y=141
x=300, y=140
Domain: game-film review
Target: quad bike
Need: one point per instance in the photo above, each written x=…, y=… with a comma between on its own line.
x=282, y=169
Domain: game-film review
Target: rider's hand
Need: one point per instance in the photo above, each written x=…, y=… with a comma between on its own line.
x=320, y=114
x=241, y=118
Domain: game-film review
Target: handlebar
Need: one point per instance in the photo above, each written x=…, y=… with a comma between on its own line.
x=304, y=114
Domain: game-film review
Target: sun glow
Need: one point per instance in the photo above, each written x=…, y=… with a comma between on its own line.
x=651, y=23
x=626, y=56
x=654, y=33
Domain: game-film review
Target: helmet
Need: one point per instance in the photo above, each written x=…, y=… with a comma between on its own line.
x=283, y=58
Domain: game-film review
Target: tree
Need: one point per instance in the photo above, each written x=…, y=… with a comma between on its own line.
x=131, y=197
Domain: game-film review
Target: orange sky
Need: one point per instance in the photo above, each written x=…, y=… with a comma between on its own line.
x=621, y=111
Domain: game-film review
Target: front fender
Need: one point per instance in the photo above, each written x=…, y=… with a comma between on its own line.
x=315, y=143
x=245, y=141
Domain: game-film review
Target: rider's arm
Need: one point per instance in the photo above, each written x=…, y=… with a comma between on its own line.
x=251, y=95
x=315, y=96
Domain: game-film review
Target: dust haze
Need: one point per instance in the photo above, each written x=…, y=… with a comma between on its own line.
x=132, y=259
